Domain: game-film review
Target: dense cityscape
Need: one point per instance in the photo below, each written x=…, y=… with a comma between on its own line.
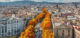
x=63, y=21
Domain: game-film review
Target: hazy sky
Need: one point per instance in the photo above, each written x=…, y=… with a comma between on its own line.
x=42, y=0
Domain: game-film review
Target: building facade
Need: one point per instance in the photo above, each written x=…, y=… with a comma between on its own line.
x=10, y=27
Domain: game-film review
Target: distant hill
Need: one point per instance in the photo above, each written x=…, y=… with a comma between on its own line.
x=22, y=3
x=18, y=3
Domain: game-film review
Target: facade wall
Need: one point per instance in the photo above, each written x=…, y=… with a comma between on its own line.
x=13, y=27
